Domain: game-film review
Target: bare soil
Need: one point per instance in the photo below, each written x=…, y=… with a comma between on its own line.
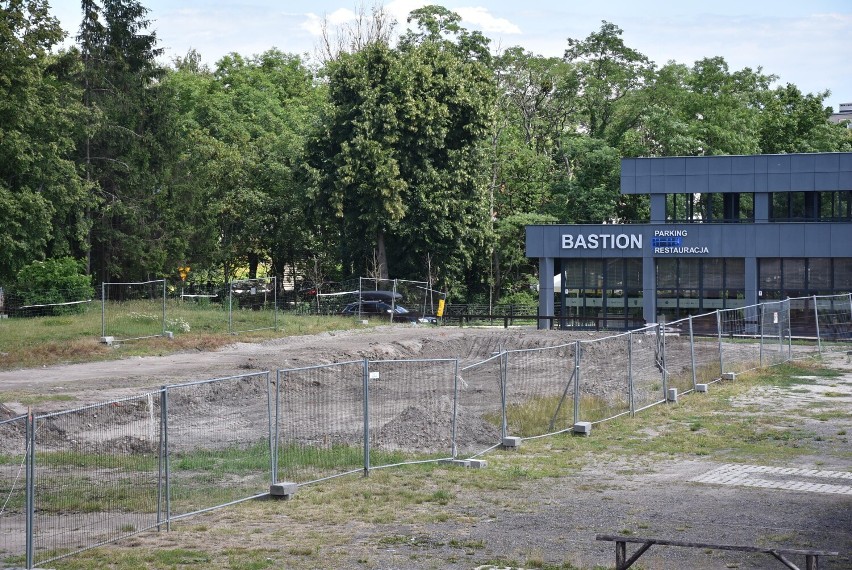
x=547, y=521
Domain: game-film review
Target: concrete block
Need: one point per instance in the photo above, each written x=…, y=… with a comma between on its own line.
x=107, y=340
x=729, y=376
x=671, y=395
x=701, y=388
x=170, y=335
x=477, y=464
x=283, y=490
x=510, y=442
x=583, y=428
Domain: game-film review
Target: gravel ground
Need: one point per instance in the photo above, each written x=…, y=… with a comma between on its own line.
x=537, y=522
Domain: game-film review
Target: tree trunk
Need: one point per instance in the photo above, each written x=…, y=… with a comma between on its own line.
x=253, y=261
x=382, y=256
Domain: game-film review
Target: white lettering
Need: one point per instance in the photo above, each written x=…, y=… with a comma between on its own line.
x=664, y=250
x=602, y=241
x=670, y=233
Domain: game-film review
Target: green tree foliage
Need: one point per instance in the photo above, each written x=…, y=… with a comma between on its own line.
x=41, y=194
x=234, y=195
x=399, y=158
x=124, y=148
x=53, y=281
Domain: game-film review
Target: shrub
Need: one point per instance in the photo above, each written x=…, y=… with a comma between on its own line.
x=53, y=281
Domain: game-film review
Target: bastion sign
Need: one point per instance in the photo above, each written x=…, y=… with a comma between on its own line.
x=663, y=242
x=602, y=241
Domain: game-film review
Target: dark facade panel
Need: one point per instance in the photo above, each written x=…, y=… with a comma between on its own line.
x=794, y=239
x=769, y=173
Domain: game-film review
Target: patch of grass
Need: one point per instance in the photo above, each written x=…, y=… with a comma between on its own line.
x=38, y=341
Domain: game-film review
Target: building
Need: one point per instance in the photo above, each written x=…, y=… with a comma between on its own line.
x=844, y=113
x=725, y=232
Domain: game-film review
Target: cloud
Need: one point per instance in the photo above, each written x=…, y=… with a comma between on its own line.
x=483, y=19
x=313, y=23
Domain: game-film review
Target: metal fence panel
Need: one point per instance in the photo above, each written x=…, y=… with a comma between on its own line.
x=217, y=442
x=774, y=332
x=253, y=305
x=739, y=338
x=320, y=432
x=96, y=475
x=539, y=390
x=679, y=356
x=834, y=318
x=646, y=367
x=604, y=383
x=13, y=488
x=479, y=415
x=132, y=311
x=412, y=410
x=706, y=348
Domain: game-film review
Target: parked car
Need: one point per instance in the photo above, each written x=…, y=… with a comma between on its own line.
x=382, y=308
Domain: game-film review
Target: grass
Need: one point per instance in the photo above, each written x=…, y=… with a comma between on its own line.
x=41, y=341
x=700, y=425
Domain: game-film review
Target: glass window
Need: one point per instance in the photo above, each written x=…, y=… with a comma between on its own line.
x=615, y=273
x=666, y=273
x=843, y=275
x=573, y=273
x=593, y=278
x=714, y=273
x=689, y=273
x=769, y=271
x=794, y=275
x=780, y=206
x=633, y=271
x=735, y=274
x=819, y=275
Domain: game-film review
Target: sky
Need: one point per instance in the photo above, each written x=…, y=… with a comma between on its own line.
x=807, y=43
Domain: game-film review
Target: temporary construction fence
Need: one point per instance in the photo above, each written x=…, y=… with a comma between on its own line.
x=77, y=479
x=253, y=305
x=133, y=311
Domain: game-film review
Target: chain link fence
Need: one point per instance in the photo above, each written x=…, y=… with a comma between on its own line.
x=77, y=479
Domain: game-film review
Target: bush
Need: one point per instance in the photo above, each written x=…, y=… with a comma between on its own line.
x=54, y=281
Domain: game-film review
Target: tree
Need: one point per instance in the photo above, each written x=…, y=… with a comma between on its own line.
x=233, y=190
x=41, y=193
x=124, y=149
x=609, y=72
x=791, y=121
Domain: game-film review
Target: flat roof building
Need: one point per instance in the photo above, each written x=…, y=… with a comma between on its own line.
x=724, y=232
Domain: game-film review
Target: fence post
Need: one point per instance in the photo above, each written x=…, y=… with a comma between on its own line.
x=164, y=410
x=164, y=307
x=719, y=333
x=231, y=307
x=366, y=391
x=762, y=320
x=30, y=483
x=455, y=408
x=692, y=351
x=816, y=320
x=504, y=366
x=663, y=372
x=103, y=309
x=161, y=459
x=273, y=427
x=630, y=374
x=789, y=321
x=576, y=381
x=275, y=301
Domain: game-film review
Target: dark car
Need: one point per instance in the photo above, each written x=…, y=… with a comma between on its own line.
x=400, y=313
